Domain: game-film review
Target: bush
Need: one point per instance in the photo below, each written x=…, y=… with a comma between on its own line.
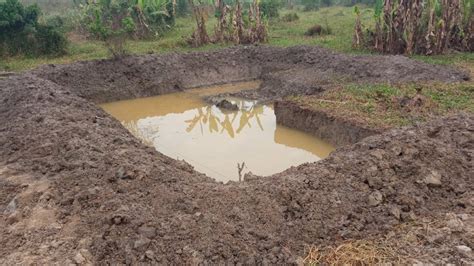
x=49, y=40
x=21, y=33
x=319, y=30
x=314, y=30
x=290, y=17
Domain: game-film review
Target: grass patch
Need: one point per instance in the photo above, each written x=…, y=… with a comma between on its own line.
x=383, y=106
x=456, y=58
x=340, y=19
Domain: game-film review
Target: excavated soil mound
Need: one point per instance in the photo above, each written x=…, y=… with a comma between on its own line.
x=284, y=71
x=77, y=187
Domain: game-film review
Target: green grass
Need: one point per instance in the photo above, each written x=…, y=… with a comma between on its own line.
x=383, y=105
x=456, y=58
x=340, y=20
x=281, y=33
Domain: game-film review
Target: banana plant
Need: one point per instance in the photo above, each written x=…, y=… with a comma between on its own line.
x=157, y=13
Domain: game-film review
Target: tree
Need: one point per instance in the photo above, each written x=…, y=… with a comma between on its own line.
x=21, y=33
x=111, y=22
x=115, y=21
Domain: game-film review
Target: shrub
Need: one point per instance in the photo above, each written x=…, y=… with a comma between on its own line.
x=21, y=33
x=49, y=40
x=314, y=30
x=319, y=30
x=290, y=17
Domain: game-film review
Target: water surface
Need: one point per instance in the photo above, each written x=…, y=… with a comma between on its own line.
x=183, y=126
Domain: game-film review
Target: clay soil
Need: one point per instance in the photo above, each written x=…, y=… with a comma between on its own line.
x=77, y=187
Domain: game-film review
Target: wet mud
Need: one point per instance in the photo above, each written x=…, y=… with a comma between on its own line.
x=77, y=187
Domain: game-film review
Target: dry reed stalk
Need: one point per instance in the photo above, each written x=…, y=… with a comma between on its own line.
x=413, y=26
x=358, y=252
x=199, y=36
x=219, y=33
x=358, y=34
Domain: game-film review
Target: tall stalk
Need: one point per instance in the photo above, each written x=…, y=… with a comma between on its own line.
x=199, y=36
x=358, y=34
x=221, y=26
x=421, y=26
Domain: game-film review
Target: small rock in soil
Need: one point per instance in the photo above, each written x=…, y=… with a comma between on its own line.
x=122, y=174
x=11, y=207
x=143, y=241
x=118, y=219
x=375, y=198
x=408, y=216
x=13, y=218
x=148, y=232
x=150, y=254
x=464, y=216
x=454, y=223
x=395, y=211
x=464, y=250
x=378, y=154
x=433, y=179
x=79, y=259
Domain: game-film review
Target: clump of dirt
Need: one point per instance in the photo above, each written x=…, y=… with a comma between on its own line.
x=221, y=103
x=77, y=187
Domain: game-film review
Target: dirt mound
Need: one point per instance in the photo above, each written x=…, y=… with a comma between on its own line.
x=75, y=186
x=285, y=71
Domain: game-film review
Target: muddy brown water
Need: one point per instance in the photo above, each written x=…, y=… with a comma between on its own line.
x=185, y=127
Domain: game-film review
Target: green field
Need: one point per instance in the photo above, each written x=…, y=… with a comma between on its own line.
x=284, y=34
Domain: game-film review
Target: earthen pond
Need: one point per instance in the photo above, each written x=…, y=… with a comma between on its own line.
x=185, y=127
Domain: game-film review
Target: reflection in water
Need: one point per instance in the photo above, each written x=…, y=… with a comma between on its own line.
x=219, y=121
x=182, y=126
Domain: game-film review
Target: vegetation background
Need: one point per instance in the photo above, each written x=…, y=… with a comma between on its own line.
x=283, y=30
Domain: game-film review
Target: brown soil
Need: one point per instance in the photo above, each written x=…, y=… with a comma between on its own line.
x=332, y=128
x=77, y=187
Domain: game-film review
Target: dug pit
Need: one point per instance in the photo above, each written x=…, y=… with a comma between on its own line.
x=215, y=140
x=110, y=199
